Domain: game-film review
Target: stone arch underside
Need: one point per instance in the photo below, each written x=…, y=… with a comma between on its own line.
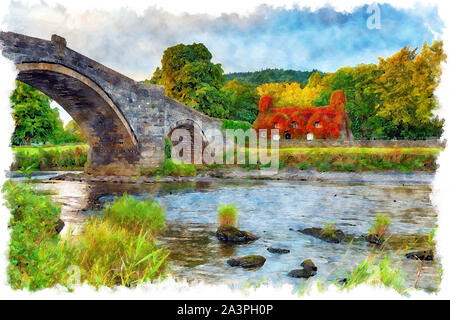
x=112, y=143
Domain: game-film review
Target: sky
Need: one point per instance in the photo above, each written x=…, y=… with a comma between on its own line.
x=326, y=39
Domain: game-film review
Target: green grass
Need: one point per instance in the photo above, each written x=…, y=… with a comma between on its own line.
x=60, y=148
x=50, y=158
x=130, y=213
x=110, y=255
x=227, y=215
x=360, y=159
x=116, y=249
x=358, y=150
x=320, y=159
x=171, y=167
x=377, y=272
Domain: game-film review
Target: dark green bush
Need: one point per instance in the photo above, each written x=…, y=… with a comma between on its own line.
x=231, y=124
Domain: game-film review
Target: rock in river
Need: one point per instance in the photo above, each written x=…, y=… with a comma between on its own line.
x=309, y=265
x=336, y=237
x=309, y=270
x=232, y=234
x=374, y=238
x=251, y=261
x=421, y=255
x=278, y=250
x=59, y=226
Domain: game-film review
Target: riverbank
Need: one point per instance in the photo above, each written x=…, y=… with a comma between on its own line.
x=116, y=248
x=289, y=174
x=324, y=159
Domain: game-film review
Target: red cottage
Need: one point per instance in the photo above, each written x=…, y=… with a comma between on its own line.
x=330, y=122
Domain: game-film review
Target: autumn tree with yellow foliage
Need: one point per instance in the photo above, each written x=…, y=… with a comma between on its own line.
x=407, y=86
x=292, y=94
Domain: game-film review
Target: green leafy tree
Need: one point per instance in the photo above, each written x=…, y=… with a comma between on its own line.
x=244, y=100
x=360, y=88
x=35, y=121
x=189, y=76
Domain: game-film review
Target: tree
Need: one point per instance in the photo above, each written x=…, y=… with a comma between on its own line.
x=289, y=94
x=189, y=76
x=74, y=129
x=314, y=80
x=408, y=82
x=35, y=121
x=272, y=76
x=360, y=87
x=244, y=101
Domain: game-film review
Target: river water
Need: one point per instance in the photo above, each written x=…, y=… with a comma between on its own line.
x=273, y=210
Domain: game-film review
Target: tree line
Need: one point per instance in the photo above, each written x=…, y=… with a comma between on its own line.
x=393, y=99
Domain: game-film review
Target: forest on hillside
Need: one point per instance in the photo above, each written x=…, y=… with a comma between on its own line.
x=272, y=76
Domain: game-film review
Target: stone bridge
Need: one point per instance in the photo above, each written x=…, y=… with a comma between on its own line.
x=125, y=122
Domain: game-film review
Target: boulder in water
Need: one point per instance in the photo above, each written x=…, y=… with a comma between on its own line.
x=278, y=250
x=374, y=239
x=309, y=270
x=421, y=255
x=251, y=261
x=232, y=234
x=335, y=237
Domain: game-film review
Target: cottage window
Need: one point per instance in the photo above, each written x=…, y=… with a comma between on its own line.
x=294, y=124
x=317, y=124
x=275, y=125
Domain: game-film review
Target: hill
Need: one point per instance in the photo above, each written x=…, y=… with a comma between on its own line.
x=271, y=76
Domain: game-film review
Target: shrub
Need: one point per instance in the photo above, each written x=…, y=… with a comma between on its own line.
x=175, y=168
x=235, y=125
x=380, y=226
x=227, y=215
x=132, y=214
x=118, y=249
x=303, y=165
x=38, y=259
x=111, y=255
x=167, y=148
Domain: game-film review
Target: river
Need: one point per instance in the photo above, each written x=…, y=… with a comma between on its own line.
x=273, y=210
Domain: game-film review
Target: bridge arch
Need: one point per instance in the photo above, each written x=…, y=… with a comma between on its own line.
x=194, y=129
x=111, y=139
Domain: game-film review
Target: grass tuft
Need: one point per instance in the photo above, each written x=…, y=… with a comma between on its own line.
x=378, y=272
x=227, y=215
x=380, y=226
x=130, y=213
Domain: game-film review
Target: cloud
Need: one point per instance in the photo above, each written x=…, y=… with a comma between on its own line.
x=294, y=38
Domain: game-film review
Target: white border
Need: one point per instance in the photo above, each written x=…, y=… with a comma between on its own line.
x=169, y=289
